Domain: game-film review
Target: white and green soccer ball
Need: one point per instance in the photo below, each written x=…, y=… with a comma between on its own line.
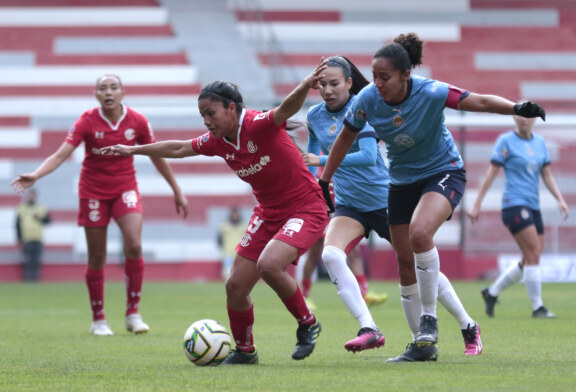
x=207, y=343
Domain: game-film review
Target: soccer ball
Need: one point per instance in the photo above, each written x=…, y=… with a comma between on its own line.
x=207, y=342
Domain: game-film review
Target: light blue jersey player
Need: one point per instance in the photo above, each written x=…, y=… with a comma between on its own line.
x=361, y=181
x=417, y=141
x=522, y=160
x=361, y=192
x=427, y=176
x=524, y=157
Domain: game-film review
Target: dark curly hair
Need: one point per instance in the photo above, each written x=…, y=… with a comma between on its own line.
x=405, y=51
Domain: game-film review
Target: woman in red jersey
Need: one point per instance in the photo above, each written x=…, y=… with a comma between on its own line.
x=108, y=189
x=291, y=212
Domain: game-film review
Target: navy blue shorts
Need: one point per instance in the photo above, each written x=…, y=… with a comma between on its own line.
x=519, y=217
x=372, y=220
x=403, y=199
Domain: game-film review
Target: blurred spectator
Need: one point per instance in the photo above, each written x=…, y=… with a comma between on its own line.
x=229, y=235
x=30, y=220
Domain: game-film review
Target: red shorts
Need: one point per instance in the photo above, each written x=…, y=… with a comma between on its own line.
x=94, y=213
x=300, y=228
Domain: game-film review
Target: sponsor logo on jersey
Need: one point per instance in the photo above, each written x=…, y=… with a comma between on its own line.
x=404, y=140
x=293, y=225
x=129, y=134
x=99, y=134
x=253, y=168
x=251, y=147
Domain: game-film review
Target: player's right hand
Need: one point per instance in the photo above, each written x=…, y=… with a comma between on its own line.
x=327, y=196
x=118, y=149
x=23, y=182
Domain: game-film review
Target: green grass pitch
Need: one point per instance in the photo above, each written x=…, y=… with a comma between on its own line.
x=45, y=345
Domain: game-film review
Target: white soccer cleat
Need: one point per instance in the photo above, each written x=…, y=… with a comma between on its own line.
x=100, y=328
x=135, y=324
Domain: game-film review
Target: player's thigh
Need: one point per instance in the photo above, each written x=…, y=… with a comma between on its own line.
x=342, y=230
x=530, y=244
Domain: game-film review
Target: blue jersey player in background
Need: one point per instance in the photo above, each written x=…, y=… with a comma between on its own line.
x=524, y=157
x=427, y=176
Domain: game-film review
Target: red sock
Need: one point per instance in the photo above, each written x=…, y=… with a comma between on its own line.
x=95, y=283
x=363, y=282
x=296, y=304
x=306, y=286
x=241, y=323
x=134, y=273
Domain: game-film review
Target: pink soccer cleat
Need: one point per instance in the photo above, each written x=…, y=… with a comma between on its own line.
x=472, y=340
x=367, y=338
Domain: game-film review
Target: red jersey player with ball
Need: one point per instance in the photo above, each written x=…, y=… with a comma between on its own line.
x=108, y=189
x=291, y=212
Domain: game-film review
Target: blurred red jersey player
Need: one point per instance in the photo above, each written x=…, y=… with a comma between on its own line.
x=108, y=189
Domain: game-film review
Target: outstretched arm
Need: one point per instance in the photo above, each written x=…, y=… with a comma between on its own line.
x=51, y=163
x=166, y=149
x=495, y=104
x=166, y=172
x=553, y=188
x=474, y=212
x=294, y=101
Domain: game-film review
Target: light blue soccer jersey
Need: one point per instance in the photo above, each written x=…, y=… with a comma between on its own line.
x=522, y=160
x=417, y=141
x=361, y=181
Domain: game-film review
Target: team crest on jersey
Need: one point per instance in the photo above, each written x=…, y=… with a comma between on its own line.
x=129, y=134
x=398, y=120
x=251, y=147
x=404, y=140
x=293, y=225
x=361, y=114
x=332, y=129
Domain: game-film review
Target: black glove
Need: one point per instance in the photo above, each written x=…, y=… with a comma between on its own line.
x=326, y=193
x=530, y=110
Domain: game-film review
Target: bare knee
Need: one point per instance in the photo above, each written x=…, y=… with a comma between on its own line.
x=421, y=239
x=133, y=250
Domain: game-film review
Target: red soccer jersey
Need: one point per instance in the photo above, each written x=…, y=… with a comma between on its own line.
x=108, y=176
x=265, y=157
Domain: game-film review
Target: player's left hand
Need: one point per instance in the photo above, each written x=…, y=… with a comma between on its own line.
x=530, y=110
x=313, y=80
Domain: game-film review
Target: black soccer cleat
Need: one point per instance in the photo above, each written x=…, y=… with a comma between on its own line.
x=306, y=335
x=490, y=301
x=542, y=312
x=414, y=353
x=427, y=332
x=239, y=357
